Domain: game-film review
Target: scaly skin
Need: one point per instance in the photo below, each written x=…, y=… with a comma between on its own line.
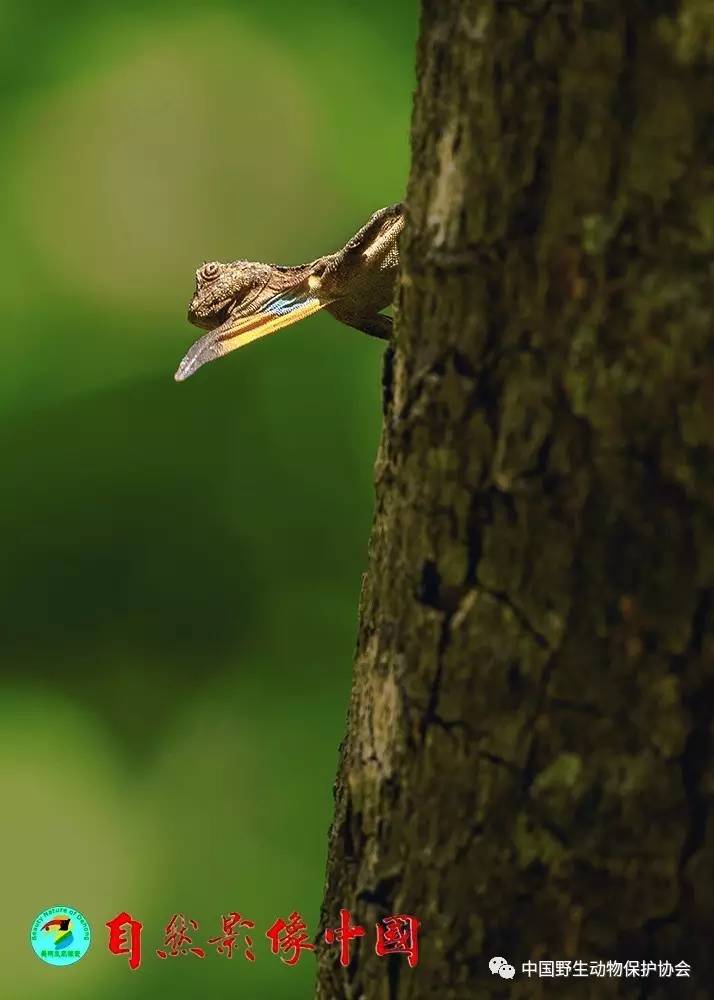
x=245, y=300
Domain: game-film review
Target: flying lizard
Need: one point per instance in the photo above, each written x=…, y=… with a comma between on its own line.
x=244, y=300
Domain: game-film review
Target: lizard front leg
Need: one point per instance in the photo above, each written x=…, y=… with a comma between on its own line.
x=375, y=324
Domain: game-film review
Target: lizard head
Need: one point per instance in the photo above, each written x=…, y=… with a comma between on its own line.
x=224, y=290
x=240, y=302
x=224, y=294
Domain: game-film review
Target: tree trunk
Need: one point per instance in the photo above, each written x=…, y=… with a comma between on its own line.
x=528, y=765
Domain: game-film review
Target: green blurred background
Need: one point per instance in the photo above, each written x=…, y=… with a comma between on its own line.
x=181, y=563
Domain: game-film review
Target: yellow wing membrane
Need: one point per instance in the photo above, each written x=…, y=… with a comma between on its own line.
x=280, y=311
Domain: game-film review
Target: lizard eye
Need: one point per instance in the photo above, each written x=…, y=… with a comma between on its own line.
x=209, y=271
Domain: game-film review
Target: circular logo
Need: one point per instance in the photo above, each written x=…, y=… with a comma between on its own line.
x=60, y=935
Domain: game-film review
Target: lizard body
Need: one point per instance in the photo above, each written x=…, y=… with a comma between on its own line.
x=242, y=301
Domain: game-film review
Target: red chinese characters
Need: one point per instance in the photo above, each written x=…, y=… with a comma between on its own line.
x=399, y=935
x=225, y=941
x=344, y=934
x=125, y=938
x=289, y=936
x=177, y=940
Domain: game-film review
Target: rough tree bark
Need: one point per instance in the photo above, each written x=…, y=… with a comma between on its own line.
x=528, y=765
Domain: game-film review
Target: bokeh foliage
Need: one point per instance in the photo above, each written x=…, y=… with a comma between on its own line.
x=181, y=564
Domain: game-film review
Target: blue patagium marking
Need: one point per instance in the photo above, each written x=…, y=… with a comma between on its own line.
x=282, y=305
